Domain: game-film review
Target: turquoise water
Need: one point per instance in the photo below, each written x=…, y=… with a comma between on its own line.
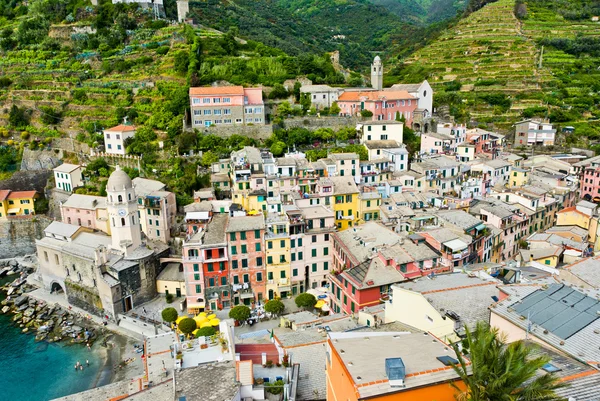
x=31, y=371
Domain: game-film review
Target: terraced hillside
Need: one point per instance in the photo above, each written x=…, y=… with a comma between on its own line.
x=495, y=68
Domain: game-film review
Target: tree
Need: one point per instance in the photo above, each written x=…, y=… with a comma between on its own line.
x=502, y=371
x=187, y=325
x=334, y=110
x=297, y=86
x=305, y=300
x=208, y=158
x=240, y=313
x=206, y=332
x=50, y=115
x=274, y=306
x=278, y=92
x=278, y=148
x=169, y=315
x=181, y=62
x=17, y=117
x=366, y=113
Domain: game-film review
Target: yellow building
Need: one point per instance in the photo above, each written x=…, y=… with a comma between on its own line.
x=547, y=256
x=368, y=206
x=518, y=177
x=278, y=254
x=345, y=205
x=171, y=280
x=256, y=201
x=17, y=203
x=573, y=217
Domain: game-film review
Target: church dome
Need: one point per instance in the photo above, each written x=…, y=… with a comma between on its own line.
x=377, y=58
x=118, y=181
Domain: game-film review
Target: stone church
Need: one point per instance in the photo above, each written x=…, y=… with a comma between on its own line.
x=105, y=275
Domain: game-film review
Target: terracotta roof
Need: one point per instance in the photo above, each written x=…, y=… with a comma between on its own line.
x=375, y=95
x=4, y=194
x=218, y=90
x=572, y=209
x=21, y=194
x=122, y=128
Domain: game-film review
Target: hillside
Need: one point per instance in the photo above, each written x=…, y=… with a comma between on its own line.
x=489, y=67
x=356, y=28
x=424, y=10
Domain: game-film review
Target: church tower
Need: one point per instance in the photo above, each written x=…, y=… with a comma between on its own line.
x=377, y=74
x=121, y=204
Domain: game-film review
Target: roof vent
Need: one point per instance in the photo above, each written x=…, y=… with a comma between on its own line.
x=395, y=371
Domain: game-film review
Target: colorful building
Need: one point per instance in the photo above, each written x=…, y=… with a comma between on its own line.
x=345, y=205
x=278, y=254
x=384, y=104
x=248, y=279
x=115, y=137
x=226, y=105
x=86, y=211
x=389, y=366
x=17, y=203
x=68, y=176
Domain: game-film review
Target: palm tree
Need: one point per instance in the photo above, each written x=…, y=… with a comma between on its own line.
x=501, y=372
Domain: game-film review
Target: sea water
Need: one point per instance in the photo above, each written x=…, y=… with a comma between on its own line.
x=41, y=371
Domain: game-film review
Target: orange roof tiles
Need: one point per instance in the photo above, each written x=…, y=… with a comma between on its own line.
x=4, y=194
x=21, y=194
x=375, y=95
x=218, y=90
x=122, y=128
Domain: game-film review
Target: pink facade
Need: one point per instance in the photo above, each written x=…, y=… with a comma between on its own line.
x=383, y=104
x=590, y=184
x=84, y=217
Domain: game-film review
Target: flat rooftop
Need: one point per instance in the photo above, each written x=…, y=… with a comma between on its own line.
x=211, y=381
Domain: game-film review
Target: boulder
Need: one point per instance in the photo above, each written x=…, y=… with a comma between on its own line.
x=21, y=300
x=29, y=312
x=5, y=309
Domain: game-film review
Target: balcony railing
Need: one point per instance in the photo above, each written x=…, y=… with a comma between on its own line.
x=460, y=255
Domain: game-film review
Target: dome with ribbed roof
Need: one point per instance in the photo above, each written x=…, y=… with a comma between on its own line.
x=118, y=181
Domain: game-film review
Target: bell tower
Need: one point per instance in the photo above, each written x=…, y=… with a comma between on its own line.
x=377, y=74
x=121, y=204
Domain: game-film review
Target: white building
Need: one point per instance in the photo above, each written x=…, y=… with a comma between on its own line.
x=457, y=131
x=114, y=138
x=321, y=96
x=531, y=132
x=393, y=151
x=422, y=92
x=381, y=131
x=68, y=176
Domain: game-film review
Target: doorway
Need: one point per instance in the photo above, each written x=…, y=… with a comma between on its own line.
x=270, y=294
x=178, y=292
x=128, y=303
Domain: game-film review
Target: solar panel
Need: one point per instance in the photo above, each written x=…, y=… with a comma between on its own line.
x=530, y=300
x=585, y=304
x=560, y=294
x=574, y=325
x=548, y=313
x=551, y=368
x=573, y=298
x=539, y=308
x=447, y=361
x=560, y=319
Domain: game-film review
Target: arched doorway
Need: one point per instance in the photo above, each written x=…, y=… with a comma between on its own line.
x=56, y=288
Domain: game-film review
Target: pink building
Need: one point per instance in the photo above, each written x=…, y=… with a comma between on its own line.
x=590, y=183
x=86, y=211
x=383, y=104
x=226, y=105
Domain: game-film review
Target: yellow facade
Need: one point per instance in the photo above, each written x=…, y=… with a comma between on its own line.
x=551, y=261
x=572, y=217
x=345, y=208
x=17, y=203
x=518, y=178
x=255, y=203
x=278, y=266
x=368, y=209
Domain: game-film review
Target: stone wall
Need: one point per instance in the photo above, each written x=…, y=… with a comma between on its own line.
x=28, y=181
x=70, y=145
x=84, y=297
x=251, y=131
x=40, y=159
x=313, y=122
x=17, y=237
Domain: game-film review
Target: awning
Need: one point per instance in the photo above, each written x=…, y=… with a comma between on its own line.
x=325, y=308
x=286, y=288
x=13, y=210
x=246, y=295
x=194, y=305
x=196, y=216
x=480, y=227
x=320, y=304
x=456, y=245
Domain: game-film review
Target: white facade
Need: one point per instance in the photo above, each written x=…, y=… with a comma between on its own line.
x=377, y=74
x=68, y=176
x=321, y=96
x=114, y=138
x=423, y=92
x=122, y=207
x=458, y=132
x=381, y=131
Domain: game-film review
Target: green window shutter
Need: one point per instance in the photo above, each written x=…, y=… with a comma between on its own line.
x=259, y=276
x=196, y=268
x=198, y=289
x=221, y=266
x=295, y=272
x=300, y=255
x=223, y=280
x=314, y=253
x=325, y=265
x=196, y=277
x=244, y=249
x=233, y=250
x=270, y=260
x=299, y=241
x=282, y=243
x=232, y=236
x=243, y=235
x=314, y=267
x=326, y=251
x=270, y=244
x=282, y=273
x=234, y=264
x=244, y=263
x=257, y=234
x=270, y=275
x=257, y=247
x=259, y=261
x=209, y=267
x=236, y=280
x=211, y=282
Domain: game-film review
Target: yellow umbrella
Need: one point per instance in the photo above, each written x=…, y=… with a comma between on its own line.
x=199, y=320
x=214, y=322
x=201, y=314
x=211, y=317
x=319, y=304
x=180, y=318
x=204, y=324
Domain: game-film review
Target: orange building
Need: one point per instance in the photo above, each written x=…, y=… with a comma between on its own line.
x=389, y=366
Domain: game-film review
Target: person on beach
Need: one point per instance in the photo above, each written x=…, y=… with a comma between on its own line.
x=87, y=362
x=81, y=367
x=144, y=309
x=76, y=368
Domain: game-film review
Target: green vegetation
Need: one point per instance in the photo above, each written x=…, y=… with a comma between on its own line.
x=274, y=306
x=187, y=325
x=169, y=315
x=305, y=300
x=499, y=370
x=239, y=313
x=205, y=332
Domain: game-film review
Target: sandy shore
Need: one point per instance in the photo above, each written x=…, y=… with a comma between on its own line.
x=119, y=349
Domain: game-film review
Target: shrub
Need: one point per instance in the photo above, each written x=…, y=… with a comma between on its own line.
x=274, y=306
x=169, y=315
x=240, y=313
x=25, y=135
x=274, y=388
x=187, y=325
x=305, y=300
x=79, y=95
x=206, y=332
x=5, y=82
x=162, y=50
x=169, y=298
x=17, y=117
x=50, y=115
x=366, y=113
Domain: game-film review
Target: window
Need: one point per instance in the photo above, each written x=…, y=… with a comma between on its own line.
x=325, y=251
x=282, y=274
x=326, y=236
x=314, y=267
x=206, y=100
x=258, y=276
x=299, y=241
x=270, y=244
x=281, y=258
x=211, y=282
x=232, y=236
x=217, y=112
x=209, y=267
x=314, y=238
x=282, y=243
x=233, y=250
x=345, y=299
x=216, y=100
x=207, y=112
x=221, y=266
x=234, y=264
x=236, y=280
x=196, y=268
x=245, y=263
x=244, y=249
x=109, y=146
x=226, y=100
x=259, y=261
x=246, y=278
x=198, y=289
x=257, y=234
x=270, y=275
x=118, y=147
x=223, y=280
x=196, y=277
x=314, y=253
x=293, y=257
x=325, y=265
x=300, y=255
x=270, y=260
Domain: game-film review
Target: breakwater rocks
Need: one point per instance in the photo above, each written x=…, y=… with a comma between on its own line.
x=47, y=322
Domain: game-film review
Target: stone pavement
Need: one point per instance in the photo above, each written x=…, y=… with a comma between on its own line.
x=312, y=379
x=153, y=309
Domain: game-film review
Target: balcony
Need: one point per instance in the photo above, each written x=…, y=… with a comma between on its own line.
x=460, y=255
x=284, y=281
